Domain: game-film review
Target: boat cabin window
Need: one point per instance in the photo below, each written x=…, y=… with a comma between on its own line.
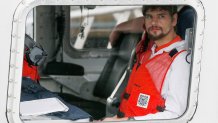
x=78, y=59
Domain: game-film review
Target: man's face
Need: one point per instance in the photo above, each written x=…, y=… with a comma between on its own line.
x=159, y=23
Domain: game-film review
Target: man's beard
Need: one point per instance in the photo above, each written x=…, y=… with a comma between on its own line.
x=157, y=37
x=154, y=38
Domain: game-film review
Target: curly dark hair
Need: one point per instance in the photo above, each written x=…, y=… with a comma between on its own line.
x=170, y=8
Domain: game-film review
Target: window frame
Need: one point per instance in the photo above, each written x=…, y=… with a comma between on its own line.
x=17, y=46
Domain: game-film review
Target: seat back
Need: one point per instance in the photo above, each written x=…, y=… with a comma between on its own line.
x=123, y=38
x=186, y=19
x=116, y=64
x=185, y=28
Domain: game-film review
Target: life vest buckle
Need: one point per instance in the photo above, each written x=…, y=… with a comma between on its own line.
x=160, y=108
x=126, y=96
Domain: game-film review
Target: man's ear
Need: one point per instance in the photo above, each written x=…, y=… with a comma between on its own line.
x=174, y=19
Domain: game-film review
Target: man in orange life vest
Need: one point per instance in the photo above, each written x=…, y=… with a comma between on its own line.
x=158, y=84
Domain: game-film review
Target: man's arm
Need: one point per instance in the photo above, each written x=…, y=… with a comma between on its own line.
x=133, y=26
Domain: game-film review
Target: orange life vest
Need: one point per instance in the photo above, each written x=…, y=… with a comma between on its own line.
x=143, y=93
x=30, y=71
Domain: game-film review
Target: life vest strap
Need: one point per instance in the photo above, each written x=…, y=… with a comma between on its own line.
x=160, y=108
x=120, y=114
x=126, y=96
x=173, y=52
